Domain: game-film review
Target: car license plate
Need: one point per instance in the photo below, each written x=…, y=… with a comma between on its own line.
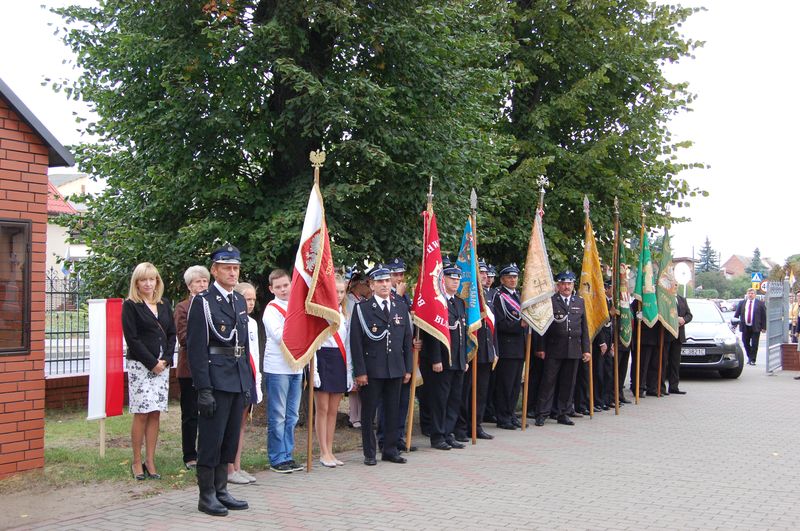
x=693, y=352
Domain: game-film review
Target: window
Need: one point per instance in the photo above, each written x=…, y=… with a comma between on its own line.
x=15, y=266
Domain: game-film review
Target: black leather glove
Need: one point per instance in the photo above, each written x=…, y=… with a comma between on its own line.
x=206, y=404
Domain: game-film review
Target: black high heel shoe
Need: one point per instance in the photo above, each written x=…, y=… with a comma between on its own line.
x=138, y=477
x=148, y=474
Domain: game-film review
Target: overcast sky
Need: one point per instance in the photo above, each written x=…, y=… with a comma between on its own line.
x=743, y=124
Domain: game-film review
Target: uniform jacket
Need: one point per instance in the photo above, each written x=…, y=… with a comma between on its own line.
x=606, y=332
x=148, y=338
x=510, y=333
x=389, y=356
x=568, y=335
x=433, y=351
x=685, y=312
x=221, y=372
x=759, y=315
x=487, y=341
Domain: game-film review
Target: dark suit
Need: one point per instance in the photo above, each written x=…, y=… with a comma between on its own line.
x=511, y=351
x=673, y=361
x=149, y=338
x=443, y=389
x=381, y=350
x=563, y=343
x=751, y=333
x=405, y=389
x=603, y=364
x=217, y=364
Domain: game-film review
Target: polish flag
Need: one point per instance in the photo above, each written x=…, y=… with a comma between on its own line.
x=312, y=315
x=106, y=378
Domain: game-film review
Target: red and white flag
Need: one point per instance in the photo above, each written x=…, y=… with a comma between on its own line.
x=430, y=304
x=313, y=312
x=106, y=380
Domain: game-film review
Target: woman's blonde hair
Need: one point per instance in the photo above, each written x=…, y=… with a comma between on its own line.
x=339, y=279
x=241, y=287
x=145, y=270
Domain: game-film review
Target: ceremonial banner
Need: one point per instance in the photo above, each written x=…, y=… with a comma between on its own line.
x=645, y=290
x=667, y=290
x=106, y=378
x=537, y=285
x=313, y=312
x=429, y=304
x=470, y=287
x=625, y=321
x=591, y=288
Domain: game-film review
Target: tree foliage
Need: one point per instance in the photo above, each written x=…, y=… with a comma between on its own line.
x=708, y=260
x=756, y=265
x=208, y=110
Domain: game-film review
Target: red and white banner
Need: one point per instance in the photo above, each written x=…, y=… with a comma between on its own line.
x=106, y=379
x=430, y=304
x=313, y=311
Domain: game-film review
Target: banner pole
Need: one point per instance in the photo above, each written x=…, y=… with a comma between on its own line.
x=310, y=416
x=412, y=393
x=641, y=310
x=102, y=438
x=474, y=394
x=526, y=376
x=615, y=278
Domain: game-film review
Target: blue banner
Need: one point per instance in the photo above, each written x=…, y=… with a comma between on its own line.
x=470, y=284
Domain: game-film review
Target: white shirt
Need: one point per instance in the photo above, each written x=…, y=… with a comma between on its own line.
x=274, y=360
x=227, y=294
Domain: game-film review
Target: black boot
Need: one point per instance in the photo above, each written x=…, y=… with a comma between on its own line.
x=221, y=486
x=208, y=503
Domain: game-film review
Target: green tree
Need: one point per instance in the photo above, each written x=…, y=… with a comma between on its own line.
x=756, y=265
x=711, y=280
x=208, y=112
x=737, y=287
x=589, y=109
x=708, y=260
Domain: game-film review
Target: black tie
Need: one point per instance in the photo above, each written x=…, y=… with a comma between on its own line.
x=386, y=309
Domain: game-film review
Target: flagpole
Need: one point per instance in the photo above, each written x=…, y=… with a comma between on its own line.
x=615, y=300
x=317, y=164
x=415, y=350
x=591, y=367
x=473, y=199
x=641, y=310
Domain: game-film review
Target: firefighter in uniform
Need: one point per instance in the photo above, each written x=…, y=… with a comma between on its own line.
x=218, y=350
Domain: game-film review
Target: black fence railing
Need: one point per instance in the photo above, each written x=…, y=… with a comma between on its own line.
x=66, y=342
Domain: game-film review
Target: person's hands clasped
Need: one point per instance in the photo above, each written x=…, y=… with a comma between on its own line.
x=206, y=404
x=437, y=367
x=160, y=366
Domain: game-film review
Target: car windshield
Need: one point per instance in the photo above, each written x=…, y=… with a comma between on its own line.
x=705, y=312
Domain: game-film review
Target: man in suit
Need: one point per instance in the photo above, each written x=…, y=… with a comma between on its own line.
x=603, y=361
x=380, y=345
x=564, y=345
x=511, y=330
x=488, y=282
x=443, y=369
x=485, y=357
x=673, y=368
x=218, y=351
x=752, y=315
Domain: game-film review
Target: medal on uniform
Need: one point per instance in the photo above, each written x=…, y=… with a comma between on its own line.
x=397, y=319
x=222, y=328
x=219, y=299
x=374, y=329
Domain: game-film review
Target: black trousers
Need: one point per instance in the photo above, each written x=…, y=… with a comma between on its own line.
x=218, y=436
x=622, y=363
x=489, y=411
x=674, y=365
x=581, y=387
x=443, y=400
x=750, y=338
x=603, y=369
x=464, y=422
x=387, y=391
x=507, y=387
x=647, y=354
x=652, y=372
x=534, y=382
x=562, y=371
x=402, y=415
x=188, y=419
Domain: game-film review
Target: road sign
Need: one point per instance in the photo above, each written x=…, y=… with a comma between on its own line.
x=763, y=286
x=756, y=277
x=755, y=285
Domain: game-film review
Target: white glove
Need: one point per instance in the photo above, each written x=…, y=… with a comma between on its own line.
x=317, y=381
x=639, y=315
x=349, y=381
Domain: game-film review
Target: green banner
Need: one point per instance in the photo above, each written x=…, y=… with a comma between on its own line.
x=645, y=290
x=623, y=305
x=667, y=290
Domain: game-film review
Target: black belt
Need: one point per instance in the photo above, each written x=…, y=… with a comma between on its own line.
x=227, y=351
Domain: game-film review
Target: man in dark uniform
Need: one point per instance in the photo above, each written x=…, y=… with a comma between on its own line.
x=491, y=273
x=564, y=345
x=485, y=357
x=380, y=345
x=397, y=272
x=443, y=370
x=511, y=332
x=603, y=361
x=218, y=352
x=673, y=370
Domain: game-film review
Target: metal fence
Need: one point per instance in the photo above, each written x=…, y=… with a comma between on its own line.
x=66, y=335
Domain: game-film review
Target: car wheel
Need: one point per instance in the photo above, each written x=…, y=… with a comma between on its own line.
x=732, y=374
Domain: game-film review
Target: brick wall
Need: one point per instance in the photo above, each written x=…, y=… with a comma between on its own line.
x=23, y=195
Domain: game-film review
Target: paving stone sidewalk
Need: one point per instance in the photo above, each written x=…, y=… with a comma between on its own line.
x=724, y=456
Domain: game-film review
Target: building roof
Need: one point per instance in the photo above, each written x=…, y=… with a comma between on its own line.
x=58, y=154
x=56, y=204
x=60, y=179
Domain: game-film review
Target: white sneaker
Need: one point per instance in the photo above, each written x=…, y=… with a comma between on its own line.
x=237, y=479
x=249, y=477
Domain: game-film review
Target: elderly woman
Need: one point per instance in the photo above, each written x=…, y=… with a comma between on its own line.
x=150, y=335
x=196, y=278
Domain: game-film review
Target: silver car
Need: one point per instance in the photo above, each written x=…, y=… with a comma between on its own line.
x=710, y=343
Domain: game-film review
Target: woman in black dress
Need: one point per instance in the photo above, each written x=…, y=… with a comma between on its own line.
x=149, y=331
